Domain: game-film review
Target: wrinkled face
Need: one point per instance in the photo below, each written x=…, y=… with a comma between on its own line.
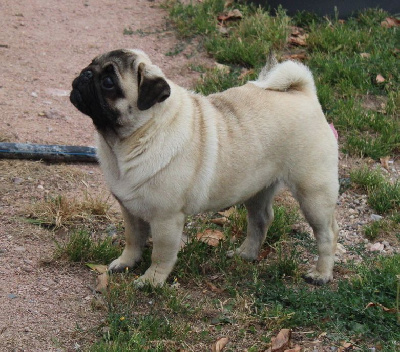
x=117, y=84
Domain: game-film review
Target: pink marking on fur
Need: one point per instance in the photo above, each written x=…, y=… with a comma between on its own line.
x=335, y=133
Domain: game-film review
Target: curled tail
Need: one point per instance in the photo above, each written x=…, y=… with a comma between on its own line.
x=288, y=75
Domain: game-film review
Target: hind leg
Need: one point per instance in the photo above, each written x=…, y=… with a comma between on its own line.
x=318, y=206
x=260, y=215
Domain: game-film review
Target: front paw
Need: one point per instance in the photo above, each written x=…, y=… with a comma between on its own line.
x=119, y=266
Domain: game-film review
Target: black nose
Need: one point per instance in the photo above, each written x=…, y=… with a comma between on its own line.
x=82, y=79
x=87, y=74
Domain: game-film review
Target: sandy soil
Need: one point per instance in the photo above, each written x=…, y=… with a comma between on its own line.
x=43, y=45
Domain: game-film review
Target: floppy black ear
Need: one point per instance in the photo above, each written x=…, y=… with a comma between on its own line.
x=152, y=90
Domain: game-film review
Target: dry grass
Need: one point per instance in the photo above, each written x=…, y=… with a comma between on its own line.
x=62, y=211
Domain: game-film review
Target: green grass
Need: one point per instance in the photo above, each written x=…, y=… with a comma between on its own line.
x=342, y=311
x=383, y=195
x=82, y=247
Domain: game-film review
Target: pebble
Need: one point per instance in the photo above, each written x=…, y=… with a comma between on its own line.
x=12, y=296
x=340, y=250
x=376, y=217
x=377, y=247
x=17, y=180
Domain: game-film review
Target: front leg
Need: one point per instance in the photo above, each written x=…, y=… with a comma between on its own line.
x=136, y=233
x=166, y=235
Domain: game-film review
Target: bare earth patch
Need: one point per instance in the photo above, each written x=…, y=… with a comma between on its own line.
x=43, y=45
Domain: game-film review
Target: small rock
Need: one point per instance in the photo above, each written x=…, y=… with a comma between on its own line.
x=12, y=296
x=40, y=187
x=376, y=217
x=17, y=180
x=20, y=249
x=340, y=250
x=34, y=94
x=377, y=247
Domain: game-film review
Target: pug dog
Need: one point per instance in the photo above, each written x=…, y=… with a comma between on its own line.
x=167, y=152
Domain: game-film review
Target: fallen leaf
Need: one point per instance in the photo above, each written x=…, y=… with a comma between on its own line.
x=346, y=346
x=298, y=36
x=281, y=342
x=390, y=22
x=264, y=253
x=211, y=237
x=245, y=72
x=380, y=79
x=220, y=344
x=100, y=268
x=219, y=221
x=230, y=16
x=365, y=55
x=385, y=162
x=228, y=3
x=299, y=57
x=102, y=282
x=227, y=213
x=214, y=288
x=224, y=68
x=387, y=310
x=296, y=348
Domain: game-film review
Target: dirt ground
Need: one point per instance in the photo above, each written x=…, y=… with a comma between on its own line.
x=43, y=45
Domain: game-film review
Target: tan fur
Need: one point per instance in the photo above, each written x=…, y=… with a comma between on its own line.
x=192, y=153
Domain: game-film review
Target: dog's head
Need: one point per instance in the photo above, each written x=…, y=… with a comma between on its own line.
x=116, y=86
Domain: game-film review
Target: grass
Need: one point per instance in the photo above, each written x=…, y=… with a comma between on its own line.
x=383, y=195
x=82, y=247
x=59, y=211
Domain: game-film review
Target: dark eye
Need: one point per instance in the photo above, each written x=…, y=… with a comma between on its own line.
x=107, y=83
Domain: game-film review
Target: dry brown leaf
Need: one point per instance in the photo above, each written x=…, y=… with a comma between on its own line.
x=380, y=79
x=346, y=346
x=211, y=237
x=228, y=3
x=390, y=22
x=102, y=282
x=296, y=348
x=264, y=253
x=227, y=213
x=365, y=55
x=299, y=57
x=214, y=288
x=100, y=268
x=220, y=344
x=387, y=310
x=245, y=72
x=281, y=342
x=219, y=221
x=385, y=162
x=224, y=68
x=298, y=36
x=230, y=16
